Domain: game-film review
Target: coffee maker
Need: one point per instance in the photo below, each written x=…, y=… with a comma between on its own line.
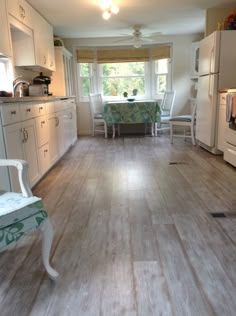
x=45, y=80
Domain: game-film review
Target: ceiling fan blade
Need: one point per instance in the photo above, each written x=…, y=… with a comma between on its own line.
x=146, y=39
x=123, y=40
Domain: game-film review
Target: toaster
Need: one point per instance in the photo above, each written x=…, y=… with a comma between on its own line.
x=38, y=89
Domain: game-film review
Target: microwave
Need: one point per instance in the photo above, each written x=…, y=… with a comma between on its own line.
x=38, y=89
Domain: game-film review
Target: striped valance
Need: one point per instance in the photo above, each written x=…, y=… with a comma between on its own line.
x=104, y=56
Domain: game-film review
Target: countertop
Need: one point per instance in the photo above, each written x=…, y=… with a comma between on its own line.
x=32, y=98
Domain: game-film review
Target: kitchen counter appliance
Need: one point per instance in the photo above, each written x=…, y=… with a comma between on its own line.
x=44, y=82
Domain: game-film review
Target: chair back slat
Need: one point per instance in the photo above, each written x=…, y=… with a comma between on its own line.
x=96, y=104
x=168, y=102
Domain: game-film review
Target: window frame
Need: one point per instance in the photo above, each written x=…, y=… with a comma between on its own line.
x=150, y=79
x=157, y=94
x=113, y=98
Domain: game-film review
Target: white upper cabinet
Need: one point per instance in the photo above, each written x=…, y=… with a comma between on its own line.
x=5, y=46
x=62, y=82
x=43, y=41
x=32, y=37
x=21, y=10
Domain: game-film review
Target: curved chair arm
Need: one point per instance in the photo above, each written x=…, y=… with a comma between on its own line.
x=22, y=167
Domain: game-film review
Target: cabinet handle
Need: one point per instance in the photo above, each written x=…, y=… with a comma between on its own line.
x=26, y=135
x=23, y=135
x=28, y=110
x=57, y=121
x=13, y=112
x=45, y=150
x=40, y=108
x=42, y=123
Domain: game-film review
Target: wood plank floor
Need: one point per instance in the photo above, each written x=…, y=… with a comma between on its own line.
x=133, y=234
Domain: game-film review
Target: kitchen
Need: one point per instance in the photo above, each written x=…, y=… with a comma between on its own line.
x=134, y=233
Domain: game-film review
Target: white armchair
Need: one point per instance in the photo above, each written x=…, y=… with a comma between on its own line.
x=21, y=213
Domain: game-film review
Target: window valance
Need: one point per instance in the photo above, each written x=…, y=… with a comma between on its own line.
x=122, y=55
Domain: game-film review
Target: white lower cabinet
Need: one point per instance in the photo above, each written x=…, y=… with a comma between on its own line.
x=41, y=140
x=53, y=142
x=44, y=158
x=20, y=142
x=222, y=124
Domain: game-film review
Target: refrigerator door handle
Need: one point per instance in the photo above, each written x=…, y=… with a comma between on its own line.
x=211, y=55
x=209, y=86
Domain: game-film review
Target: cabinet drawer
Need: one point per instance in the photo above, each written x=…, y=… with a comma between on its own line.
x=10, y=114
x=27, y=111
x=39, y=109
x=42, y=131
x=50, y=107
x=59, y=105
x=223, y=98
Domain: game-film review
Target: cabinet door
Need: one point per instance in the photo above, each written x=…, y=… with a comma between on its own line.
x=21, y=10
x=43, y=39
x=4, y=174
x=222, y=124
x=30, y=151
x=53, y=142
x=61, y=133
x=14, y=138
x=5, y=46
x=50, y=47
x=44, y=159
x=42, y=130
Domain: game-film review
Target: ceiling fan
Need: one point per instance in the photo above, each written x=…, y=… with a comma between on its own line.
x=137, y=38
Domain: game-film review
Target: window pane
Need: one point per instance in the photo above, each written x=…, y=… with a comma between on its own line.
x=85, y=86
x=117, y=86
x=123, y=69
x=84, y=70
x=3, y=76
x=162, y=66
x=161, y=83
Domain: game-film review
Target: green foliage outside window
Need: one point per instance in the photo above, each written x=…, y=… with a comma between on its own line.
x=85, y=78
x=121, y=77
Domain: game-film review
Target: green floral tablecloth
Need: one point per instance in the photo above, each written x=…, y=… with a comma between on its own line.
x=132, y=112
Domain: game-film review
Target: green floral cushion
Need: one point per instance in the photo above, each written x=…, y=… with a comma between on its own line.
x=14, y=207
x=15, y=231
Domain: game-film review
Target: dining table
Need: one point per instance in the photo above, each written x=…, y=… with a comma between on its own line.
x=132, y=112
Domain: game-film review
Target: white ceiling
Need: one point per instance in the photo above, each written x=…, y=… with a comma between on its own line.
x=83, y=18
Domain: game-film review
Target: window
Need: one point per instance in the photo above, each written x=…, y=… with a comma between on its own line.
x=84, y=70
x=162, y=76
x=3, y=75
x=117, y=78
x=145, y=72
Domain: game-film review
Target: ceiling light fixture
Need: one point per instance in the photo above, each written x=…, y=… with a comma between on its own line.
x=108, y=8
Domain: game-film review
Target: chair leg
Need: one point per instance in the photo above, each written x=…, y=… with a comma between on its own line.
x=193, y=136
x=47, y=236
x=105, y=129
x=171, y=133
x=113, y=131
x=93, y=127
x=155, y=128
x=118, y=129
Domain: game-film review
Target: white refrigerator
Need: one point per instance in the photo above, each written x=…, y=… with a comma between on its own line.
x=217, y=72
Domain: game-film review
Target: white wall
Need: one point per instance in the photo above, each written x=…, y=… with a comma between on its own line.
x=182, y=83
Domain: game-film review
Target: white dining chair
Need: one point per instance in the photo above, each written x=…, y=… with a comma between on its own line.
x=21, y=213
x=185, y=121
x=96, y=108
x=166, y=107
